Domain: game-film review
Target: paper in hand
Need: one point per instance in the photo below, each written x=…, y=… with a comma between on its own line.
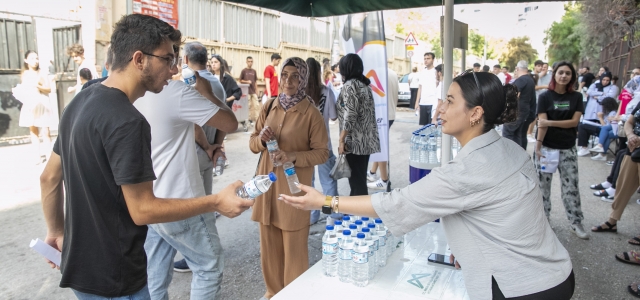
x=47, y=251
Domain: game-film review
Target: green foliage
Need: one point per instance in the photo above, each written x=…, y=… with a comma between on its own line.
x=436, y=48
x=565, y=38
x=476, y=45
x=518, y=49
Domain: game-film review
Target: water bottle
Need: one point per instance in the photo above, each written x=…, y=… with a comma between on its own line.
x=188, y=75
x=272, y=147
x=360, y=256
x=424, y=158
x=330, y=252
x=365, y=221
x=543, y=159
x=382, y=248
x=256, y=186
x=346, y=221
x=392, y=242
x=345, y=263
x=376, y=244
x=220, y=166
x=439, y=143
x=359, y=225
x=292, y=177
x=433, y=158
x=413, y=154
x=337, y=225
x=353, y=228
x=372, y=252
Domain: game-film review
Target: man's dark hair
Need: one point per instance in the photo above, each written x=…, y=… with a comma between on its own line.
x=506, y=67
x=485, y=68
x=477, y=65
x=196, y=53
x=85, y=74
x=538, y=63
x=249, y=57
x=433, y=56
x=275, y=56
x=138, y=32
x=440, y=68
x=325, y=60
x=587, y=68
x=333, y=68
x=497, y=66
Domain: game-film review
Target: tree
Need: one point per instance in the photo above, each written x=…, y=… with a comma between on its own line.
x=518, y=49
x=477, y=43
x=565, y=37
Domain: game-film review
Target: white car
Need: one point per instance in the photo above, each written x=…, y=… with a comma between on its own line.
x=404, y=92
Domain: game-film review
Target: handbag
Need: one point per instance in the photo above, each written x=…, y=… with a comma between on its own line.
x=341, y=169
x=635, y=155
x=265, y=119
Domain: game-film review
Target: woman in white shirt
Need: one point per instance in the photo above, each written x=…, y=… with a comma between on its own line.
x=488, y=199
x=597, y=92
x=414, y=84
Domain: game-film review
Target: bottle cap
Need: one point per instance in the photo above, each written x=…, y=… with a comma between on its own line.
x=185, y=66
x=272, y=177
x=358, y=222
x=361, y=235
x=346, y=218
x=329, y=227
x=378, y=221
x=364, y=219
x=353, y=226
x=337, y=223
x=371, y=225
x=346, y=232
x=366, y=229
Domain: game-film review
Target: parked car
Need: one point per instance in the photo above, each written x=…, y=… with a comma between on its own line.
x=404, y=93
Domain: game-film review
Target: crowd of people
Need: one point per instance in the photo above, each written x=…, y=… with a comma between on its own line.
x=135, y=201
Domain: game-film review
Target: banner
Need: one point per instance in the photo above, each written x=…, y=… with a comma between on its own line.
x=363, y=34
x=165, y=10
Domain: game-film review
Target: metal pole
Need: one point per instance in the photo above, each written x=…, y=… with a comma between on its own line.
x=448, y=71
x=463, y=63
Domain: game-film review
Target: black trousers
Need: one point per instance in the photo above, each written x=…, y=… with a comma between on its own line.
x=414, y=95
x=585, y=131
x=425, y=114
x=517, y=132
x=615, y=169
x=359, y=167
x=562, y=291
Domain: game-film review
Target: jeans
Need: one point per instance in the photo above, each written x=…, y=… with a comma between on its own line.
x=198, y=240
x=329, y=185
x=142, y=294
x=606, y=135
x=206, y=170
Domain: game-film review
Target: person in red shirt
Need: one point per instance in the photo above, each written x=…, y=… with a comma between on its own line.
x=271, y=76
x=507, y=76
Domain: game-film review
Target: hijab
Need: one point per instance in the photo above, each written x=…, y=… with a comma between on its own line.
x=633, y=85
x=286, y=101
x=599, y=85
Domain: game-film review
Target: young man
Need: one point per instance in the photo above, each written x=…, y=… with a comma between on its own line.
x=271, y=76
x=427, y=98
x=507, y=76
x=477, y=67
x=76, y=51
x=250, y=76
x=544, y=78
x=517, y=131
x=587, y=80
x=485, y=68
x=103, y=157
x=498, y=72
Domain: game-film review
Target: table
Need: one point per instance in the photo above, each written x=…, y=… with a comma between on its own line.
x=407, y=275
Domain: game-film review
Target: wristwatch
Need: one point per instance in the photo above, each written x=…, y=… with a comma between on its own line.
x=326, y=208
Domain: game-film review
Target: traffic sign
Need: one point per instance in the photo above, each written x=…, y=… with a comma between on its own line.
x=409, y=53
x=409, y=48
x=411, y=40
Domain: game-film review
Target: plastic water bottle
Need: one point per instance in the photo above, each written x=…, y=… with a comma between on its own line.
x=354, y=231
x=439, y=142
x=365, y=221
x=372, y=252
x=330, y=252
x=360, y=256
x=359, y=225
x=346, y=221
x=415, y=145
x=392, y=242
x=345, y=262
x=433, y=157
x=376, y=244
x=272, y=147
x=424, y=158
x=256, y=186
x=382, y=235
x=292, y=177
x=220, y=166
x=337, y=225
x=188, y=75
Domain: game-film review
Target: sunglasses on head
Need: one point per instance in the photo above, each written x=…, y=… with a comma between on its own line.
x=476, y=79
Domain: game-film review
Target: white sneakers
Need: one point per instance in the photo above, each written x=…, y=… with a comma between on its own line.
x=583, y=152
x=371, y=177
x=377, y=185
x=599, y=157
x=578, y=230
x=597, y=149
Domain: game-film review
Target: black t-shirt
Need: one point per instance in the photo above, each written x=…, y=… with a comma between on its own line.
x=527, y=101
x=588, y=79
x=104, y=142
x=559, y=107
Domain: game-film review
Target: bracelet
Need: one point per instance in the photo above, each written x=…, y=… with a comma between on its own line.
x=539, y=140
x=334, y=204
x=327, y=201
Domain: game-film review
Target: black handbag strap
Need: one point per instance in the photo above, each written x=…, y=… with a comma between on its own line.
x=265, y=120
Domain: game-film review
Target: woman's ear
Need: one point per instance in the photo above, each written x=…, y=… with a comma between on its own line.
x=477, y=114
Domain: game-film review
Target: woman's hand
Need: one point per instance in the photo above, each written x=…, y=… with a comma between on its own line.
x=452, y=259
x=542, y=123
x=310, y=201
x=265, y=134
x=538, y=150
x=284, y=157
x=633, y=141
x=341, y=149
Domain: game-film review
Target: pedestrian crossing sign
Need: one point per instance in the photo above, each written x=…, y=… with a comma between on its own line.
x=411, y=40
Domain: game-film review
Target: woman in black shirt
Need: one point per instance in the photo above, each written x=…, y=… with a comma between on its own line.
x=559, y=112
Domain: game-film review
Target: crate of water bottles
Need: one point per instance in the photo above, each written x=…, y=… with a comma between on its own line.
x=426, y=151
x=355, y=249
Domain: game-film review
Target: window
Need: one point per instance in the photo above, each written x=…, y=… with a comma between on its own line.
x=16, y=38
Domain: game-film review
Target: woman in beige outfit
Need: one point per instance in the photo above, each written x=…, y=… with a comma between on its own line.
x=299, y=129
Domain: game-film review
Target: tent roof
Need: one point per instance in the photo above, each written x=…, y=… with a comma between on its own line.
x=325, y=8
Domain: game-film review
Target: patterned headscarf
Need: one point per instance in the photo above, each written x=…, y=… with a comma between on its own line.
x=290, y=101
x=633, y=84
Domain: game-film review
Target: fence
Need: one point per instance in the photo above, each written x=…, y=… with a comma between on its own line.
x=16, y=37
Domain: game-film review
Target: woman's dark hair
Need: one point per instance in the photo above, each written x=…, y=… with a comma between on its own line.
x=314, y=84
x=25, y=66
x=439, y=68
x=500, y=103
x=351, y=67
x=608, y=105
x=222, y=65
x=574, y=77
x=85, y=74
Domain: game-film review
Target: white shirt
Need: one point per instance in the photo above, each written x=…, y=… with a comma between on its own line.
x=392, y=93
x=171, y=114
x=428, y=83
x=502, y=77
x=414, y=82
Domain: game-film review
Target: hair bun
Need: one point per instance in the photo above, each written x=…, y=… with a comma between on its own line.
x=510, y=113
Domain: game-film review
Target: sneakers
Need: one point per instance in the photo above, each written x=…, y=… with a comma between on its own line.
x=377, y=185
x=578, y=230
x=371, y=177
x=609, y=163
x=608, y=199
x=597, y=149
x=599, y=157
x=600, y=186
x=181, y=266
x=583, y=152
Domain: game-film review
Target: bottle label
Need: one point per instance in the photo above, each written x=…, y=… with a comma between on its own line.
x=191, y=80
x=329, y=248
x=360, y=257
x=290, y=172
x=252, y=189
x=383, y=240
x=345, y=254
x=272, y=146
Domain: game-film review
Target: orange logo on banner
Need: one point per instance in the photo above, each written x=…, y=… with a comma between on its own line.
x=377, y=88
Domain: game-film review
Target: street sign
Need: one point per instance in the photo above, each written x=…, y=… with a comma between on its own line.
x=409, y=53
x=409, y=48
x=411, y=40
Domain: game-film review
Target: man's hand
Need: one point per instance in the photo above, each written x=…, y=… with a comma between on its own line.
x=229, y=204
x=71, y=89
x=211, y=150
x=54, y=241
x=203, y=86
x=217, y=154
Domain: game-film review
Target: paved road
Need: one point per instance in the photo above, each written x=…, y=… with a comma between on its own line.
x=25, y=276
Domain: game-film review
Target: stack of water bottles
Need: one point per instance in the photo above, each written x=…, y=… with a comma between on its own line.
x=426, y=145
x=355, y=249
